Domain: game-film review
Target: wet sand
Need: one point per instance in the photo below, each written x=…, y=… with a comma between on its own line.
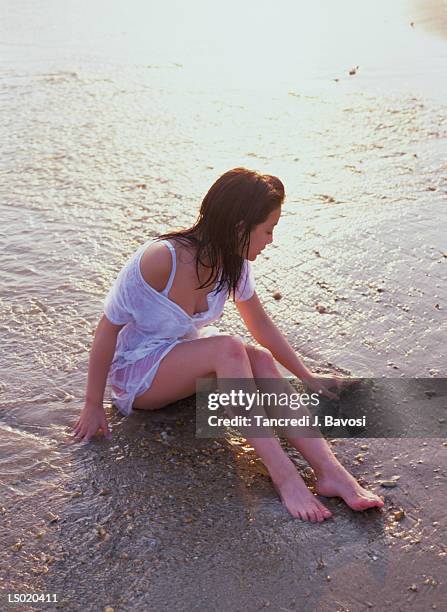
x=159, y=520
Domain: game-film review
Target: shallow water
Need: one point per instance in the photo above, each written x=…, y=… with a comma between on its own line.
x=112, y=131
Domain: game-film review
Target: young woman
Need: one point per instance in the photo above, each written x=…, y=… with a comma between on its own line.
x=154, y=339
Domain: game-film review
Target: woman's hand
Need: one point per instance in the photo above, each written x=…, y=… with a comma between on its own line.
x=92, y=419
x=323, y=383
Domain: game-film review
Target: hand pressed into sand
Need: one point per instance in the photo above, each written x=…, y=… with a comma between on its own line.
x=92, y=419
x=323, y=383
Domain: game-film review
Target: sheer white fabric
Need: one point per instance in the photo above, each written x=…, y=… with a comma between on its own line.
x=154, y=324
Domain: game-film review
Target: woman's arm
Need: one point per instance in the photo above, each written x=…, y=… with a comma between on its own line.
x=264, y=331
x=93, y=416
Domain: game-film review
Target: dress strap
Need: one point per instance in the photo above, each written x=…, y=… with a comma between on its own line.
x=173, y=269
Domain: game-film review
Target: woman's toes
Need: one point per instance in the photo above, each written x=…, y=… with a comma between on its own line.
x=360, y=503
x=320, y=516
x=324, y=511
x=319, y=513
x=363, y=502
x=306, y=516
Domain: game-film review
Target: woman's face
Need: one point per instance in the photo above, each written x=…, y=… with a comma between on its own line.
x=262, y=234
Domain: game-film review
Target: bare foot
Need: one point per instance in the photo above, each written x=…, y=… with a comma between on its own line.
x=299, y=501
x=336, y=481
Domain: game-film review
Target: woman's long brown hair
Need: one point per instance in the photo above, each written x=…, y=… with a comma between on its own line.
x=238, y=201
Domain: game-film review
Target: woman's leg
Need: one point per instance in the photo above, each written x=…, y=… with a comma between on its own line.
x=333, y=480
x=227, y=357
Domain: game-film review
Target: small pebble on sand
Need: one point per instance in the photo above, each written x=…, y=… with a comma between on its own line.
x=276, y=295
x=320, y=563
x=52, y=518
x=389, y=484
x=399, y=514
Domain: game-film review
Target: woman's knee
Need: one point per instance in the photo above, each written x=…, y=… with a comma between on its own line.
x=230, y=348
x=261, y=359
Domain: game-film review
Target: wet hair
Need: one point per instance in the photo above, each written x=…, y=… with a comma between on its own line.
x=238, y=201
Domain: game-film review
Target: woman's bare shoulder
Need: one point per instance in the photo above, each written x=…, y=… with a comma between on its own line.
x=156, y=265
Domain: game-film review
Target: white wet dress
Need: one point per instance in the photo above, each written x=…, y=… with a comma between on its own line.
x=154, y=324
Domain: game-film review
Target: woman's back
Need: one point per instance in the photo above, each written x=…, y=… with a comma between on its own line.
x=157, y=264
